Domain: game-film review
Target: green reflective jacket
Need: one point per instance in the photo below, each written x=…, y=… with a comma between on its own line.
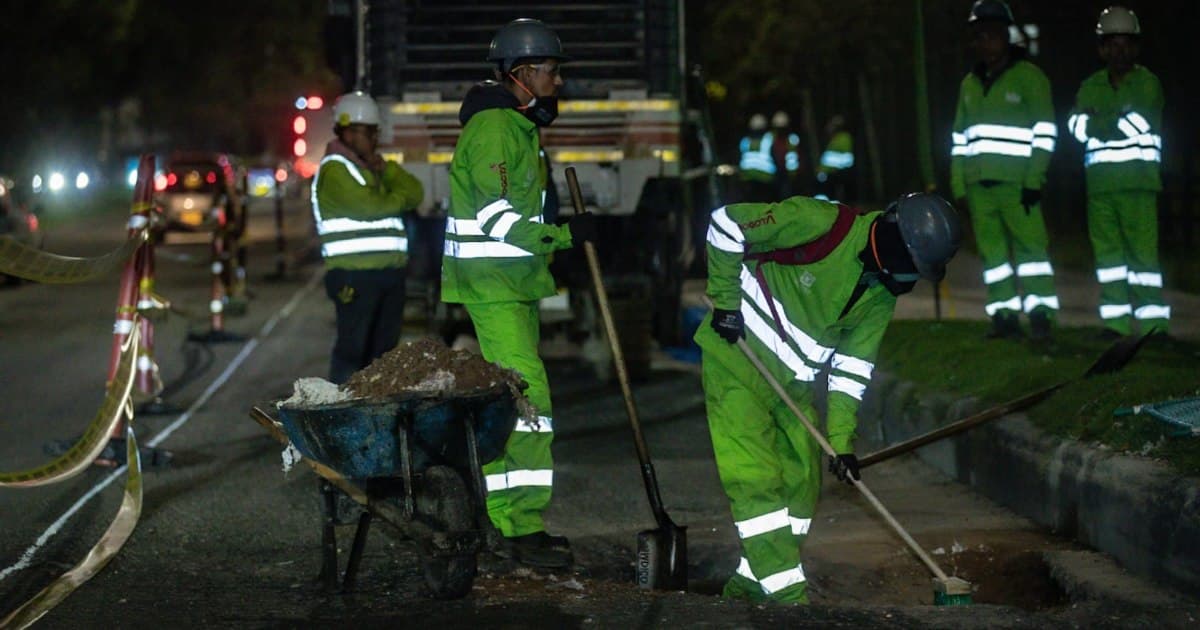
x=1003, y=132
x=358, y=216
x=1120, y=128
x=497, y=246
x=809, y=300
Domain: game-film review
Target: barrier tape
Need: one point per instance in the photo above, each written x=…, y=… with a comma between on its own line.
x=23, y=261
x=102, y=552
x=95, y=437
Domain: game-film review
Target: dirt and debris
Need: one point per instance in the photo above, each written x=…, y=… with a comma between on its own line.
x=312, y=391
x=428, y=365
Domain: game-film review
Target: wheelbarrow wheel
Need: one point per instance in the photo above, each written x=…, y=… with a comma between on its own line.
x=442, y=501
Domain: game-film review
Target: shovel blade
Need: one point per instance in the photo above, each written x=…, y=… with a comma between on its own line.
x=662, y=558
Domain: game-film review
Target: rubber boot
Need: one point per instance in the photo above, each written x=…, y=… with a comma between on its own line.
x=1039, y=326
x=1005, y=326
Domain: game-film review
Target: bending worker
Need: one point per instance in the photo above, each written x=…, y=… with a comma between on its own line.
x=1118, y=115
x=358, y=201
x=807, y=283
x=496, y=259
x=1003, y=136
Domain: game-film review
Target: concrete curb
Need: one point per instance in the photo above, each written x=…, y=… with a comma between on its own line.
x=1135, y=509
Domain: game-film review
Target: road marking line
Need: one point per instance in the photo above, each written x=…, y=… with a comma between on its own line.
x=283, y=313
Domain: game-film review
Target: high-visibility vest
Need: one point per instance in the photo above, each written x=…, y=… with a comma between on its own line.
x=1119, y=128
x=359, y=218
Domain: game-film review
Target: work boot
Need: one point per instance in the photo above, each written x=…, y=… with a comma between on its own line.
x=539, y=549
x=1005, y=326
x=1109, y=334
x=1039, y=326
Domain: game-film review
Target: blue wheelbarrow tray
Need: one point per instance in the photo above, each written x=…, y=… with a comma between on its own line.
x=361, y=438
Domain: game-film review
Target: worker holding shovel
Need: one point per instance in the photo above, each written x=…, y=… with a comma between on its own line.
x=811, y=286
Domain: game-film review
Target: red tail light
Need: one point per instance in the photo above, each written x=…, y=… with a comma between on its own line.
x=211, y=177
x=172, y=178
x=33, y=222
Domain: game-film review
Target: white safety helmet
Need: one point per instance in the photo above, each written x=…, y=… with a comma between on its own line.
x=758, y=122
x=1118, y=21
x=355, y=108
x=780, y=119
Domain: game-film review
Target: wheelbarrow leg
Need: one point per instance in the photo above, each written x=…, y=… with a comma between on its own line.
x=356, y=551
x=329, y=562
x=482, y=520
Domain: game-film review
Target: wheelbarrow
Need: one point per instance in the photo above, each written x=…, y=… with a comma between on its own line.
x=413, y=460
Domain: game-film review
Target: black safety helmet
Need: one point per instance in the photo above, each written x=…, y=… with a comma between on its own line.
x=931, y=231
x=990, y=10
x=524, y=38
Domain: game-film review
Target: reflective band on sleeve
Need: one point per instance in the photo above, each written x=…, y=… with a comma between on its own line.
x=1012, y=304
x=1139, y=122
x=853, y=365
x=998, y=273
x=958, y=139
x=364, y=245
x=1153, y=311
x=503, y=225
x=847, y=386
x=999, y=147
x=543, y=425
x=718, y=239
x=492, y=209
x=1112, y=274
x=1034, y=301
x=456, y=249
x=334, y=226
x=519, y=478
x=960, y=150
x=1045, y=144
x=1045, y=129
x=1145, y=279
x=470, y=227
x=762, y=524
x=1114, y=311
x=800, y=525
x=1077, y=124
x=1127, y=128
x=720, y=217
x=1010, y=133
x=1031, y=269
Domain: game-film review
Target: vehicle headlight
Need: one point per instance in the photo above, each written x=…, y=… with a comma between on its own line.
x=57, y=181
x=82, y=180
x=37, y=183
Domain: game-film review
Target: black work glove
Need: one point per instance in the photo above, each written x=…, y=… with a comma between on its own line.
x=583, y=228
x=728, y=324
x=1030, y=197
x=845, y=467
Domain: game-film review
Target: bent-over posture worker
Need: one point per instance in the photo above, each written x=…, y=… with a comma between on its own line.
x=358, y=203
x=496, y=263
x=811, y=286
x=1118, y=117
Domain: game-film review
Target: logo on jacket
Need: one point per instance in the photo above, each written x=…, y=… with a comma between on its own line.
x=501, y=169
x=759, y=222
x=1012, y=97
x=807, y=279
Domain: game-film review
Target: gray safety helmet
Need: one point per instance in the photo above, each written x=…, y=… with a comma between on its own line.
x=990, y=10
x=931, y=231
x=524, y=38
x=1118, y=21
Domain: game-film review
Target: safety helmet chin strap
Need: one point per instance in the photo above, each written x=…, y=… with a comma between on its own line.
x=901, y=277
x=532, y=97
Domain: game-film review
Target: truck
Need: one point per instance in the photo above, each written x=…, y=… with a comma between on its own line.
x=624, y=124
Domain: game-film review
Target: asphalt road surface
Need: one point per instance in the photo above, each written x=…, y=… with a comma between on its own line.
x=226, y=539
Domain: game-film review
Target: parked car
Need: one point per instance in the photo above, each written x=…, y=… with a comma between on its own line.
x=192, y=186
x=17, y=221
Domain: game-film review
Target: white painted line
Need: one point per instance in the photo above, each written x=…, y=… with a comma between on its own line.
x=27, y=557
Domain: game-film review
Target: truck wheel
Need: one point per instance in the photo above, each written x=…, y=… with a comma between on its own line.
x=443, y=502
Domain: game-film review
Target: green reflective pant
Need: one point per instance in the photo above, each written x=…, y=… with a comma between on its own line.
x=770, y=468
x=519, y=481
x=1001, y=223
x=1124, y=230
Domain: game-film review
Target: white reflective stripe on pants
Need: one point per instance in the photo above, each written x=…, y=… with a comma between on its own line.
x=544, y=424
x=518, y=479
x=762, y=524
x=772, y=583
x=1113, y=311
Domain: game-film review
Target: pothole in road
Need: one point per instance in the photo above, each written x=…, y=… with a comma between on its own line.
x=1009, y=579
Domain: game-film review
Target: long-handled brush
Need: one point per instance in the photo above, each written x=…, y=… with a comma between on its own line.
x=947, y=590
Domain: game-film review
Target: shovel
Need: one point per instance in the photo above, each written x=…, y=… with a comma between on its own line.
x=1114, y=358
x=661, y=552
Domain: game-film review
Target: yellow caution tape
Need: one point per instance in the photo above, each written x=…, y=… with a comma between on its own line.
x=17, y=259
x=95, y=437
x=102, y=552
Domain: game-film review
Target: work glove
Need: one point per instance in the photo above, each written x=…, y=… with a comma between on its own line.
x=845, y=467
x=1030, y=197
x=728, y=324
x=583, y=228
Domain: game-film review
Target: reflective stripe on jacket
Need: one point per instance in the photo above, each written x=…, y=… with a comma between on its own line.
x=1120, y=130
x=358, y=216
